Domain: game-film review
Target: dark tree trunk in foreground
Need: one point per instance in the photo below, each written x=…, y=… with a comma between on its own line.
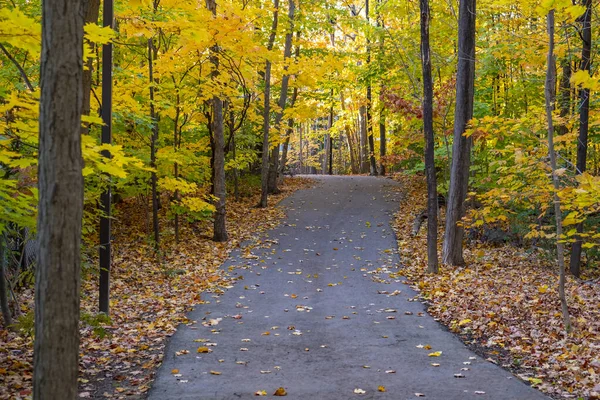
x=264, y=172
x=584, y=116
x=461, y=148
x=432, y=198
x=60, y=182
x=550, y=95
x=219, y=189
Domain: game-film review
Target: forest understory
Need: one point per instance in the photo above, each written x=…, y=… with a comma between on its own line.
x=504, y=304
x=150, y=297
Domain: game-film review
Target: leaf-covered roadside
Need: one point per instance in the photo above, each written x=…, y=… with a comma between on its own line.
x=505, y=302
x=148, y=299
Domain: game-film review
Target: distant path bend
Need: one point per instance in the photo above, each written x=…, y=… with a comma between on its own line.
x=311, y=316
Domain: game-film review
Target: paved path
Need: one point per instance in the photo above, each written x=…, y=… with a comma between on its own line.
x=334, y=323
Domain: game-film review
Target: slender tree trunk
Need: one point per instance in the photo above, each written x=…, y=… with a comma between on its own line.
x=550, y=97
x=290, y=130
x=175, y=164
x=105, y=248
x=6, y=314
x=153, y=144
x=218, y=134
x=92, y=12
x=584, y=116
x=330, y=140
x=60, y=183
x=432, y=197
x=461, y=148
x=364, y=151
x=287, y=53
x=368, y=111
x=264, y=176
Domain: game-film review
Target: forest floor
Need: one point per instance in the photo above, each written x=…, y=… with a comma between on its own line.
x=150, y=296
x=504, y=304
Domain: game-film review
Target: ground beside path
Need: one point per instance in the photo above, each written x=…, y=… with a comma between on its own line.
x=313, y=315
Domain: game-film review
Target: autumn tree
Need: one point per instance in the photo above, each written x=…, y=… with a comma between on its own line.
x=584, y=116
x=60, y=184
x=550, y=96
x=461, y=148
x=432, y=197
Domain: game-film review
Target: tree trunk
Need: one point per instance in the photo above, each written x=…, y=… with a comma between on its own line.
x=60, y=183
x=153, y=143
x=264, y=175
x=584, y=116
x=363, y=151
x=461, y=148
x=287, y=53
x=104, y=252
x=550, y=88
x=330, y=140
x=432, y=198
x=220, y=192
x=372, y=162
x=6, y=314
x=92, y=12
x=288, y=135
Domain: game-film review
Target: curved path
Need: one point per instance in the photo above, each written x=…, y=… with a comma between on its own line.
x=319, y=314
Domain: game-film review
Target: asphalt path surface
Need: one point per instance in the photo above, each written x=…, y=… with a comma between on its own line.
x=321, y=313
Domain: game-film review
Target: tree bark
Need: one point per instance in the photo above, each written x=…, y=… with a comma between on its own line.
x=368, y=111
x=60, y=182
x=287, y=53
x=584, y=116
x=363, y=151
x=264, y=175
x=432, y=197
x=290, y=130
x=92, y=12
x=461, y=148
x=153, y=143
x=550, y=95
x=6, y=314
x=220, y=192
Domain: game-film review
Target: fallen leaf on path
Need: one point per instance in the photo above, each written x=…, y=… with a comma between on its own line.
x=359, y=391
x=280, y=392
x=435, y=354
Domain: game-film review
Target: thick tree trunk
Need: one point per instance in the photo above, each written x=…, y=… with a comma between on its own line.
x=550, y=95
x=287, y=53
x=432, y=198
x=60, y=182
x=461, y=148
x=264, y=175
x=584, y=116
